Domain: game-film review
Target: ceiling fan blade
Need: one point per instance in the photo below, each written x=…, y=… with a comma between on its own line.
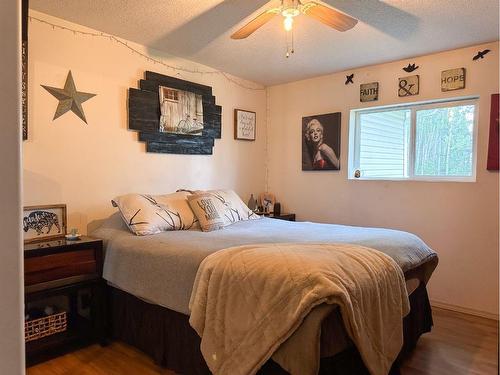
x=254, y=24
x=329, y=16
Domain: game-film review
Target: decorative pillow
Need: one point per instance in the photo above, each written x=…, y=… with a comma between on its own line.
x=234, y=208
x=151, y=214
x=208, y=210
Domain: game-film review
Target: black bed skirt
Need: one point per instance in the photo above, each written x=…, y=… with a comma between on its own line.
x=167, y=337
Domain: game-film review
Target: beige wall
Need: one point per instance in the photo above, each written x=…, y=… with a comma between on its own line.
x=85, y=166
x=458, y=220
x=11, y=279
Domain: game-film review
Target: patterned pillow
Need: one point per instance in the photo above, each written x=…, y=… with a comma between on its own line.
x=151, y=214
x=208, y=210
x=234, y=208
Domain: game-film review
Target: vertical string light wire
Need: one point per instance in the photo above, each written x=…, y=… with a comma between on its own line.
x=148, y=58
x=266, y=150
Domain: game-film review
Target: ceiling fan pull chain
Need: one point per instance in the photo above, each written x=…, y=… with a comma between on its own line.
x=289, y=43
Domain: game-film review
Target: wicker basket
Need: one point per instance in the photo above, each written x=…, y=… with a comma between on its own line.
x=46, y=326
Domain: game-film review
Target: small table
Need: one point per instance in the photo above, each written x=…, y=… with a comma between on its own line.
x=287, y=217
x=66, y=273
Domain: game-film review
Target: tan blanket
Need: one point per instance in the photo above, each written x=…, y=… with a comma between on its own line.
x=248, y=300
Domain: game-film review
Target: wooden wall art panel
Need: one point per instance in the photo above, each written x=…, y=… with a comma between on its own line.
x=144, y=117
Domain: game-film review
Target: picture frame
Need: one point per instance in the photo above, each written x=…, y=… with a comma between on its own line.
x=409, y=86
x=321, y=136
x=44, y=223
x=267, y=201
x=453, y=79
x=181, y=111
x=368, y=92
x=245, y=125
x=24, y=67
x=144, y=116
x=493, y=144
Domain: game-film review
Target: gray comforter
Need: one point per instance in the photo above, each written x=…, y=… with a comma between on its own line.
x=162, y=268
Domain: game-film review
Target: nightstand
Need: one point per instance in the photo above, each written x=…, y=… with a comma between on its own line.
x=287, y=217
x=67, y=276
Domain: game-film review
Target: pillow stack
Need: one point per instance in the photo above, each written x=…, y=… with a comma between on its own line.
x=183, y=210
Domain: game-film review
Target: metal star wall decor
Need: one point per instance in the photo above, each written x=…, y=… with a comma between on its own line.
x=69, y=98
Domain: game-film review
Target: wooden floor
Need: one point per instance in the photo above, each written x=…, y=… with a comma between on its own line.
x=459, y=344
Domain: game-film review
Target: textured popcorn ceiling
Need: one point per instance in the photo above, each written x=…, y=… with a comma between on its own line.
x=199, y=30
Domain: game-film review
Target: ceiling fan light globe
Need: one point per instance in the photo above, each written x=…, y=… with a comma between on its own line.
x=288, y=23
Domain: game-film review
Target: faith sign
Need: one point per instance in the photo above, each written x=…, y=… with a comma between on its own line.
x=368, y=92
x=453, y=79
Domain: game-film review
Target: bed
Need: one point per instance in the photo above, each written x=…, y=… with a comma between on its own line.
x=151, y=279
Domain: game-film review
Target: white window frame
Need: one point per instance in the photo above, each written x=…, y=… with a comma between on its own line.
x=354, y=134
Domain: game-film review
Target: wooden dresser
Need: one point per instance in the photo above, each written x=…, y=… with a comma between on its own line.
x=66, y=275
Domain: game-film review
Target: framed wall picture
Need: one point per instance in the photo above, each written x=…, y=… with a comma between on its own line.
x=44, y=223
x=244, y=124
x=368, y=92
x=408, y=86
x=493, y=146
x=181, y=111
x=174, y=116
x=453, y=79
x=321, y=142
x=24, y=70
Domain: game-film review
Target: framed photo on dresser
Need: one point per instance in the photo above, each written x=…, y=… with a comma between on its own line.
x=43, y=223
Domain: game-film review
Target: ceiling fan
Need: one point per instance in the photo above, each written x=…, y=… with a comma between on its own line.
x=290, y=9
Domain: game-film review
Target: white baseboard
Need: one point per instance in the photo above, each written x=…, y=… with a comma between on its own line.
x=464, y=310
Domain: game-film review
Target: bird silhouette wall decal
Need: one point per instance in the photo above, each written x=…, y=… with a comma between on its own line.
x=480, y=54
x=410, y=68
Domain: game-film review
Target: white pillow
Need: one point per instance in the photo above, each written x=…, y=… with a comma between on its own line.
x=208, y=210
x=150, y=214
x=234, y=208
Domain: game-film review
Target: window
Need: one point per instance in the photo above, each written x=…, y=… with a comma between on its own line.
x=429, y=141
x=170, y=94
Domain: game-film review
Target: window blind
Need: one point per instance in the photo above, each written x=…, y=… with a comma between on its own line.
x=383, y=146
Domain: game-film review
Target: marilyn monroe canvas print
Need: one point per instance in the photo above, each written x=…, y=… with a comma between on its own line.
x=321, y=142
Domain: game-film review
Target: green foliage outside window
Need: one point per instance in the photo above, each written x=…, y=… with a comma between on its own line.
x=443, y=144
